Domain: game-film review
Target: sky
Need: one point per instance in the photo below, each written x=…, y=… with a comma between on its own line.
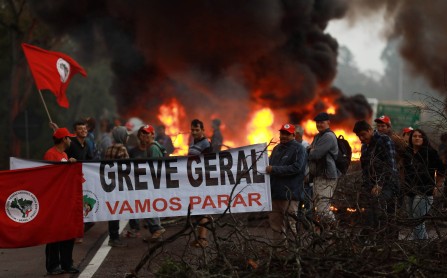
x=364, y=38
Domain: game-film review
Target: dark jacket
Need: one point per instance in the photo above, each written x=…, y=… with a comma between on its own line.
x=420, y=170
x=288, y=163
x=379, y=165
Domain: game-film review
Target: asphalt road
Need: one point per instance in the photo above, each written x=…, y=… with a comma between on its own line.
x=96, y=259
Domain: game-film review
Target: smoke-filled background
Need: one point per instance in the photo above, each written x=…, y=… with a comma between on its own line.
x=219, y=59
x=226, y=59
x=419, y=26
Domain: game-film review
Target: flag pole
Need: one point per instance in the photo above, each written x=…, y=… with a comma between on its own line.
x=45, y=106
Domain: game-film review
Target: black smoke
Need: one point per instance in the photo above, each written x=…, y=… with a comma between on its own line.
x=220, y=58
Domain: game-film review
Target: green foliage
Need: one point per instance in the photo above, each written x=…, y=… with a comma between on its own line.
x=402, y=267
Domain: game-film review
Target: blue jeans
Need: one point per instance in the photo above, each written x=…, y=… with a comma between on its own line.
x=417, y=207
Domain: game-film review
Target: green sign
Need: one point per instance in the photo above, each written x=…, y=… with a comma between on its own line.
x=401, y=115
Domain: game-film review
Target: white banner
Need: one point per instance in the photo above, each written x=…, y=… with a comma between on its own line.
x=136, y=189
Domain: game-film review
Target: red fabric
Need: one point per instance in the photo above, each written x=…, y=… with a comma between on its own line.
x=43, y=65
x=58, y=190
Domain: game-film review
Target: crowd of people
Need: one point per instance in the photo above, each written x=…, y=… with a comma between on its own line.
x=397, y=170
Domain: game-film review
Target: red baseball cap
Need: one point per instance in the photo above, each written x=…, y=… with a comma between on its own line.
x=288, y=127
x=62, y=133
x=407, y=129
x=147, y=128
x=383, y=119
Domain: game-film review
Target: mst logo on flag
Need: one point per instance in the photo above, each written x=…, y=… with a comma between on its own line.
x=22, y=206
x=52, y=70
x=41, y=205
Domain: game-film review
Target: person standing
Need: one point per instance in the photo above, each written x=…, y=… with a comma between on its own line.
x=79, y=150
x=380, y=182
x=216, y=138
x=200, y=145
x=147, y=147
x=59, y=255
x=117, y=151
x=424, y=177
x=164, y=139
x=322, y=170
x=383, y=124
x=286, y=168
x=79, y=147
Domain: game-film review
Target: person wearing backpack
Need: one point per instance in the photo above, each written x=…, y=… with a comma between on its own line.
x=323, y=172
x=147, y=147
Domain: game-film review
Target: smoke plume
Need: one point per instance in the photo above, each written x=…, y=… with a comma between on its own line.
x=219, y=59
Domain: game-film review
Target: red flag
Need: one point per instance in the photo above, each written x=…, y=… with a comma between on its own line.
x=52, y=71
x=41, y=205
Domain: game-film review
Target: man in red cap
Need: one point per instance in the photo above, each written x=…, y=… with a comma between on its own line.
x=147, y=147
x=59, y=255
x=383, y=124
x=323, y=172
x=286, y=170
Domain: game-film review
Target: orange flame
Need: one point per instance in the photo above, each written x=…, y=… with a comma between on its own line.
x=260, y=128
x=170, y=115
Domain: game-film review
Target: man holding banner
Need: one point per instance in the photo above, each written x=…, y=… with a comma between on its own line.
x=61, y=252
x=286, y=169
x=200, y=145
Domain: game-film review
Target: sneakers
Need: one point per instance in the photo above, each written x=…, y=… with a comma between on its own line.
x=55, y=271
x=132, y=233
x=71, y=270
x=117, y=243
x=156, y=236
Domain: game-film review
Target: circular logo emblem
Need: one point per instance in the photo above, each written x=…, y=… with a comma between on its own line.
x=22, y=206
x=63, y=67
x=286, y=126
x=90, y=203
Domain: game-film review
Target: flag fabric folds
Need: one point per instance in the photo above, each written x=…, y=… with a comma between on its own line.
x=41, y=205
x=52, y=71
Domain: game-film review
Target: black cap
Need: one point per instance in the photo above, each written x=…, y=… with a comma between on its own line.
x=322, y=117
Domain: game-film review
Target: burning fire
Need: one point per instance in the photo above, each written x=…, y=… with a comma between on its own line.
x=170, y=115
x=261, y=129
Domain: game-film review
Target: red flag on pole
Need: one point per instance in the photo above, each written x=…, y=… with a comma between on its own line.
x=52, y=70
x=41, y=205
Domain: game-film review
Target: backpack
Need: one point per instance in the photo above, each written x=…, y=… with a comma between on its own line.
x=344, y=156
x=162, y=149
